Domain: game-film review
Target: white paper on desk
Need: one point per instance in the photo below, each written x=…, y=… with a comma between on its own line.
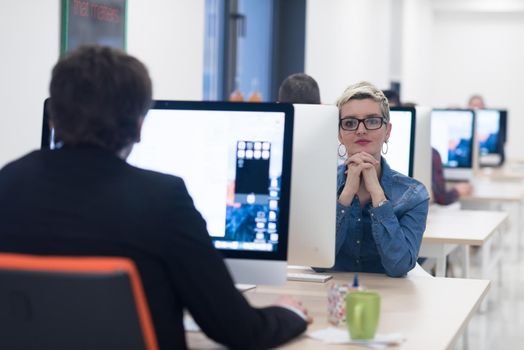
x=340, y=336
x=190, y=325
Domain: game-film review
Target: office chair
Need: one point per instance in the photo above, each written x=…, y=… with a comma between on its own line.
x=72, y=303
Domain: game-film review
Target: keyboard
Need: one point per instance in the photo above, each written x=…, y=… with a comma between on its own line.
x=244, y=287
x=308, y=277
x=189, y=324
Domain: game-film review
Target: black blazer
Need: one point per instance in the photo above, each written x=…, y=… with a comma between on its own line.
x=87, y=201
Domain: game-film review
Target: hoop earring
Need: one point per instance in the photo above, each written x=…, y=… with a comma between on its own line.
x=342, y=154
x=387, y=147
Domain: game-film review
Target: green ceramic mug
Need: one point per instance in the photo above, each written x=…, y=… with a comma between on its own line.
x=362, y=314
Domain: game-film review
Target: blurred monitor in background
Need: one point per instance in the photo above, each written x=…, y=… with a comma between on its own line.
x=452, y=135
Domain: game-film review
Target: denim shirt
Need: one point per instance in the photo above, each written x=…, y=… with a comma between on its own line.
x=385, y=239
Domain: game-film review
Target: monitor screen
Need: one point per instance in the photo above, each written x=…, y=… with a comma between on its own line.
x=401, y=143
x=452, y=136
x=491, y=131
x=235, y=159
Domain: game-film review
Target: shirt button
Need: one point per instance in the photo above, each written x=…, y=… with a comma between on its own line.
x=358, y=219
x=358, y=261
x=358, y=242
x=342, y=211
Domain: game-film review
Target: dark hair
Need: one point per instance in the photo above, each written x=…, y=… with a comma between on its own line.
x=98, y=95
x=299, y=88
x=393, y=98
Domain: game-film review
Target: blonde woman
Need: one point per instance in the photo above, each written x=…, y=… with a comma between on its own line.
x=381, y=214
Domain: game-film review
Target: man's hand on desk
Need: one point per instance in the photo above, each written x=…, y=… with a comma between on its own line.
x=295, y=306
x=464, y=189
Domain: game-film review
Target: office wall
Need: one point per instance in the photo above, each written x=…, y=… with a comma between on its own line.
x=166, y=35
x=480, y=50
x=445, y=51
x=29, y=38
x=347, y=41
x=416, y=52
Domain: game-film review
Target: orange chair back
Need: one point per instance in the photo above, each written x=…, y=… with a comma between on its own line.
x=89, y=266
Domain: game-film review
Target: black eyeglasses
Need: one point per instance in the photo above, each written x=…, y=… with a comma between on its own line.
x=352, y=124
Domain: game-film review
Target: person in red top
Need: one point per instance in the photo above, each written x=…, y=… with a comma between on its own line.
x=441, y=195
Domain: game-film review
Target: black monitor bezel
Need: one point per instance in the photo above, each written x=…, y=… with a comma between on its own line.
x=46, y=130
x=504, y=125
x=473, y=138
x=413, y=112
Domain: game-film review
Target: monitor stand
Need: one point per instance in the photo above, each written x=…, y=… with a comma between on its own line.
x=305, y=274
x=490, y=160
x=253, y=271
x=458, y=174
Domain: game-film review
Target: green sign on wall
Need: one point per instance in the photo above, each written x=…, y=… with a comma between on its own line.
x=100, y=22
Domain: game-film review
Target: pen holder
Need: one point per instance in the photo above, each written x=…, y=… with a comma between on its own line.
x=337, y=303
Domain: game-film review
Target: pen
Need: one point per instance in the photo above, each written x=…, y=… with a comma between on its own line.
x=355, y=281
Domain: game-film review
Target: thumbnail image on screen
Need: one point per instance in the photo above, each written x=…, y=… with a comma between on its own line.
x=252, y=210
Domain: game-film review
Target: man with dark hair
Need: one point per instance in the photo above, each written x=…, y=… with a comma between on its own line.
x=83, y=199
x=299, y=88
x=99, y=98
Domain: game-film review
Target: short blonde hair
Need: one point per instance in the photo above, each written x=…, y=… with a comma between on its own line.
x=364, y=90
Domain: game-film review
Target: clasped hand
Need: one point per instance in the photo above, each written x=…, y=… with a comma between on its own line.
x=362, y=170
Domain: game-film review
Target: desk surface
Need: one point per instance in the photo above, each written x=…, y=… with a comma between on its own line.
x=472, y=227
x=500, y=174
x=430, y=312
x=486, y=190
x=508, y=172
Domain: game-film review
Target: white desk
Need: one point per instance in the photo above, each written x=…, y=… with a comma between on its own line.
x=494, y=195
x=448, y=229
x=500, y=174
x=485, y=190
x=430, y=312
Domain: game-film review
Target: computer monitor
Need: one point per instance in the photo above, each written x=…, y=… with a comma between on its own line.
x=401, y=144
x=491, y=134
x=312, y=223
x=452, y=135
x=235, y=159
x=422, y=162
